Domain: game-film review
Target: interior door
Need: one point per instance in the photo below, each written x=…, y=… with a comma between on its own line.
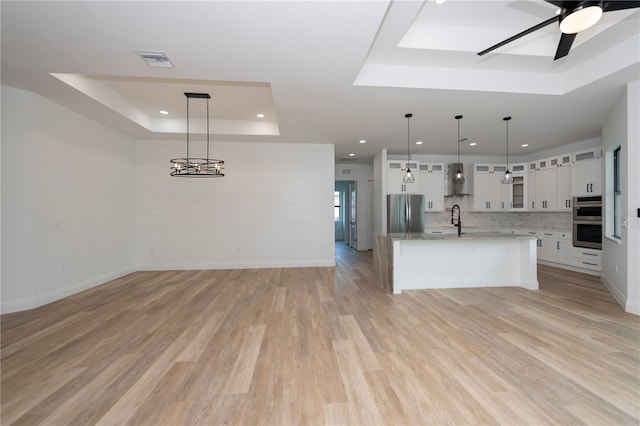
x=353, y=234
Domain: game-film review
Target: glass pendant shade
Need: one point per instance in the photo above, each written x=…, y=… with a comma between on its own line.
x=408, y=176
x=459, y=177
x=508, y=177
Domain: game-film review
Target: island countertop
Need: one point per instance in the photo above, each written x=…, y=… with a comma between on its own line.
x=475, y=235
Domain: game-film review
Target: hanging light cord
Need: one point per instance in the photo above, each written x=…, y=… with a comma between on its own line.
x=188, y=131
x=507, y=120
x=207, y=129
x=458, y=140
x=408, y=136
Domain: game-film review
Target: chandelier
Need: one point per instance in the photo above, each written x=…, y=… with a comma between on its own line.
x=192, y=166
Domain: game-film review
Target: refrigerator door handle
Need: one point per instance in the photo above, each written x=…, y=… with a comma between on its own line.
x=407, y=216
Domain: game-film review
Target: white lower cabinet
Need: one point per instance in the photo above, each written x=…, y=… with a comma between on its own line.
x=554, y=246
x=587, y=258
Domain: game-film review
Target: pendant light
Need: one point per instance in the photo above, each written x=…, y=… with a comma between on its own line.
x=408, y=177
x=459, y=177
x=197, y=167
x=508, y=177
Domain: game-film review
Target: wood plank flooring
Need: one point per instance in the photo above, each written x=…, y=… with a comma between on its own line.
x=321, y=346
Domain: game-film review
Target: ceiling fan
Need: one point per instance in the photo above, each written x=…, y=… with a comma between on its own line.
x=574, y=16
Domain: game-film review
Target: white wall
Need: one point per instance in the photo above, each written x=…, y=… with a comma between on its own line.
x=67, y=202
x=274, y=207
x=379, y=191
x=363, y=175
x=620, y=266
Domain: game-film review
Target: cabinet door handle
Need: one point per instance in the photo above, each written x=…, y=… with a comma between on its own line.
x=588, y=263
x=589, y=254
x=502, y=205
x=558, y=244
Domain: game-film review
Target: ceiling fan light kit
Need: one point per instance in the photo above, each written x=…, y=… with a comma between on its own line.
x=584, y=16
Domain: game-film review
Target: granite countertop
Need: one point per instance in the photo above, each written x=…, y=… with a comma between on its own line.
x=464, y=236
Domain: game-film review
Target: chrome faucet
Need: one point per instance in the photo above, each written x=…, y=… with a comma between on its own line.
x=459, y=223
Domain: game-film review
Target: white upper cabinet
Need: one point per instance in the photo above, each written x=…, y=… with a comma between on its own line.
x=549, y=184
x=586, y=177
x=488, y=193
x=432, y=182
x=396, y=169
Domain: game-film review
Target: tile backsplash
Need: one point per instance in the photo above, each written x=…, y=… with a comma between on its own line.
x=534, y=220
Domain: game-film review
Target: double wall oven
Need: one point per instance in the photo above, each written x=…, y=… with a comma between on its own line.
x=587, y=222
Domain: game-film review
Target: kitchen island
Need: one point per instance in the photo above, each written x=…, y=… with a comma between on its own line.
x=479, y=259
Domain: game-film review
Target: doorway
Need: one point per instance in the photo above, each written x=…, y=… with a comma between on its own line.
x=345, y=212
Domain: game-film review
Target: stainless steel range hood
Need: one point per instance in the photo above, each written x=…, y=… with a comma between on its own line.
x=457, y=189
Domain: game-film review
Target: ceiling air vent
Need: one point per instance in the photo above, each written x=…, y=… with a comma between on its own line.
x=346, y=171
x=155, y=59
x=347, y=160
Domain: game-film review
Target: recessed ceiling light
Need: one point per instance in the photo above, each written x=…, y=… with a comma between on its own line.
x=473, y=144
x=260, y=115
x=419, y=143
x=363, y=141
x=352, y=155
x=558, y=11
x=440, y=1
x=524, y=145
x=163, y=112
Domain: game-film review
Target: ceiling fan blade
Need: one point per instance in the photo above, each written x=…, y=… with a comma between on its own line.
x=565, y=45
x=522, y=34
x=620, y=5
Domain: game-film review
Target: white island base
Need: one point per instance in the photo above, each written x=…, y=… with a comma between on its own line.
x=426, y=261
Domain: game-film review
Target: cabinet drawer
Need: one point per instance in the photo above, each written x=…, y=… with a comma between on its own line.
x=593, y=264
x=587, y=254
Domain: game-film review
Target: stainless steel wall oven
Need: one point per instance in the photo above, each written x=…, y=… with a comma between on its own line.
x=587, y=222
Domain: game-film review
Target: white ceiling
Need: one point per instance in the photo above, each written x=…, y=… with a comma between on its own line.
x=326, y=71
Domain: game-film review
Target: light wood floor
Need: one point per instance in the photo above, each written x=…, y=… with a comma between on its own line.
x=322, y=346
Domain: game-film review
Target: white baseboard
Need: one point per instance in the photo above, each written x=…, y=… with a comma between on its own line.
x=239, y=265
x=615, y=292
x=42, y=299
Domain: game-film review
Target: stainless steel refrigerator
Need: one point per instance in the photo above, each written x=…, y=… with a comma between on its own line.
x=405, y=213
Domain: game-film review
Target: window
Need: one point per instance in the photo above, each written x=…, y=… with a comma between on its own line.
x=617, y=195
x=336, y=212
